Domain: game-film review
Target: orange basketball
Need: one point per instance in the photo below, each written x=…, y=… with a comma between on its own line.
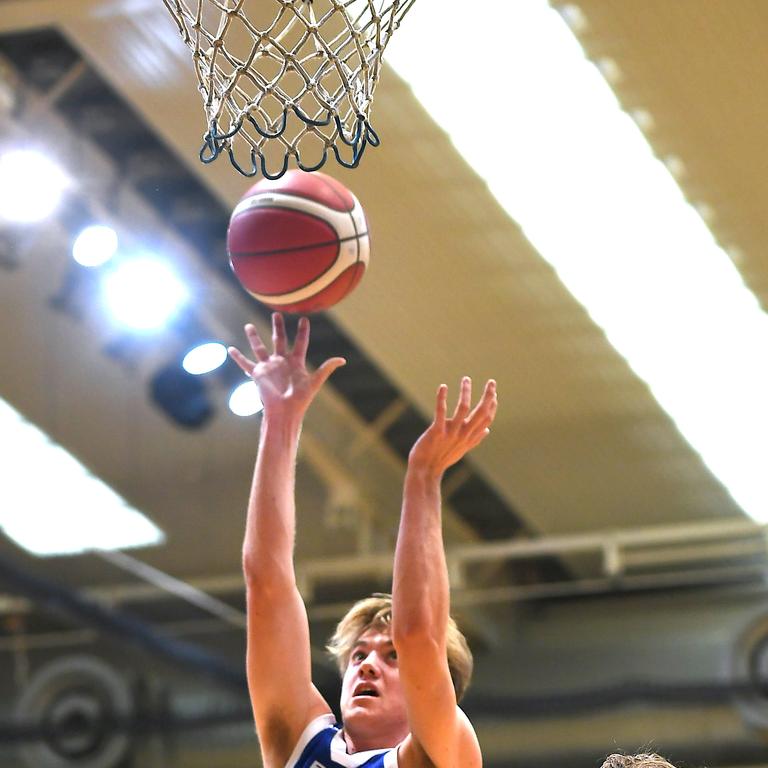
x=299, y=243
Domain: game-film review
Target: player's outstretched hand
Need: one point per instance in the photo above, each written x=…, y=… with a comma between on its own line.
x=285, y=385
x=448, y=439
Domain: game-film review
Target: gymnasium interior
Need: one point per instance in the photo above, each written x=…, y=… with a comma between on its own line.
x=607, y=543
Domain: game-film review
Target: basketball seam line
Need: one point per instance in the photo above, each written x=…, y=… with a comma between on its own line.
x=337, y=194
x=275, y=251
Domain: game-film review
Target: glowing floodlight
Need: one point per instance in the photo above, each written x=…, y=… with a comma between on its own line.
x=245, y=400
x=31, y=186
x=95, y=246
x=144, y=293
x=205, y=358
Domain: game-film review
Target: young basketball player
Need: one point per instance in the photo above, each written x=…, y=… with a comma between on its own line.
x=405, y=664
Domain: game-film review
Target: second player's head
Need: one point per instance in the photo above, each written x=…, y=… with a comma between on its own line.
x=645, y=760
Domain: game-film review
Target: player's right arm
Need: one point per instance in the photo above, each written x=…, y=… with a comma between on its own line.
x=278, y=656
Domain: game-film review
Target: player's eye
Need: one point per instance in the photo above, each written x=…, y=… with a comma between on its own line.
x=358, y=656
x=393, y=655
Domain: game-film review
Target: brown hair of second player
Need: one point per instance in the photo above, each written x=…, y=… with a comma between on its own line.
x=636, y=761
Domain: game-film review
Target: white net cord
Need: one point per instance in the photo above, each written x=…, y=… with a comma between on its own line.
x=287, y=81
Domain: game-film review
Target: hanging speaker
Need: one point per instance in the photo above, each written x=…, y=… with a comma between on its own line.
x=749, y=668
x=82, y=708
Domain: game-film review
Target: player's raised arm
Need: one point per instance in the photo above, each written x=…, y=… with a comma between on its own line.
x=278, y=657
x=440, y=732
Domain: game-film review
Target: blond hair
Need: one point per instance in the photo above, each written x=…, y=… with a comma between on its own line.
x=636, y=761
x=376, y=612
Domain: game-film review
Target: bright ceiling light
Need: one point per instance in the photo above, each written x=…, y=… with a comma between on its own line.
x=205, y=358
x=31, y=186
x=144, y=293
x=580, y=178
x=245, y=400
x=50, y=504
x=95, y=246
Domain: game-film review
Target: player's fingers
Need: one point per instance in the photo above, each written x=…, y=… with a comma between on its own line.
x=478, y=425
x=245, y=365
x=257, y=345
x=465, y=398
x=441, y=405
x=301, y=344
x=489, y=402
x=485, y=402
x=279, y=338
x=478, y=438
x=321, y=375
x=493, y=406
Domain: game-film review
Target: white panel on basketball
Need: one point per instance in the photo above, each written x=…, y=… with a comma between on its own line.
x=342, y=221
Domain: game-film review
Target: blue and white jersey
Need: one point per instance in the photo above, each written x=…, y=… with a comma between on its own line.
x=322, y=745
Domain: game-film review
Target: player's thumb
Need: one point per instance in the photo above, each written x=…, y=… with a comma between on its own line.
x=326, y=369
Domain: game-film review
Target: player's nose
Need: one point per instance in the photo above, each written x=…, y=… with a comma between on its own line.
x=368, y=667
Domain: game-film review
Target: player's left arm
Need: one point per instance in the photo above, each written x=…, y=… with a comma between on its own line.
x=440, y=732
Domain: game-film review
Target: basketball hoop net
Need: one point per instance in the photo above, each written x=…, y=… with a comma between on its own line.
x=291, y=81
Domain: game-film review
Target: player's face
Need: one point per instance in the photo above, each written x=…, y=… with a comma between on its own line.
x=371, y=695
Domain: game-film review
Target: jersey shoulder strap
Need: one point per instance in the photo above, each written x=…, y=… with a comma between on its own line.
x=310, y=737
x=321, y=745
